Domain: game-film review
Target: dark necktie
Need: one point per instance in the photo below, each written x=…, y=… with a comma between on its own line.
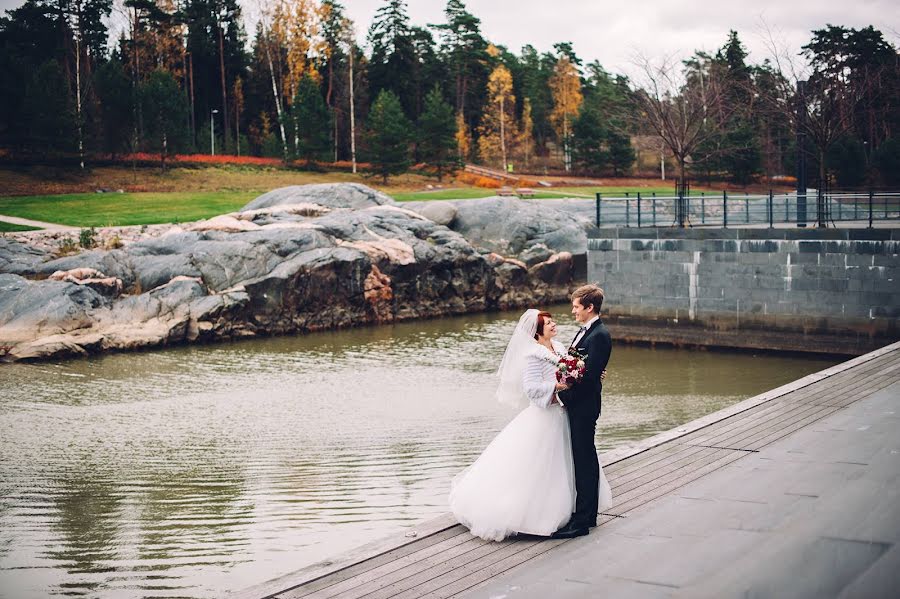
x=578, y=335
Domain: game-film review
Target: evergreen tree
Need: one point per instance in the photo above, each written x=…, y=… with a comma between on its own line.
x=49, y=112
x=393, y=63
x=116, y=115
x=437, y=134
x=388, y=136
x=164, y=108
x=464, y=52
x=589, y=140
x=847, y=160
x=887, y=162
x=621, y=152
x=310, y=117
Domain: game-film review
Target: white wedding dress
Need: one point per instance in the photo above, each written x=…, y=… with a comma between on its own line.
x=524, y=481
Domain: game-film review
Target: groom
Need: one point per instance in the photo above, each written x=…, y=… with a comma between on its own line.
x=582, y=402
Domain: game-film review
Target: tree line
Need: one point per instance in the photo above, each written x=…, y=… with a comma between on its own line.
x=182, y=76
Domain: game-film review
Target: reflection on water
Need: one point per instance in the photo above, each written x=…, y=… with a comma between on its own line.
x=194, y=471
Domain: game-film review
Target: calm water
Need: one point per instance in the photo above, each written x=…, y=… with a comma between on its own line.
x=194, y=471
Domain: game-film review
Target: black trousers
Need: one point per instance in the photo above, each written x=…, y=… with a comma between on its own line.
x=583, y=426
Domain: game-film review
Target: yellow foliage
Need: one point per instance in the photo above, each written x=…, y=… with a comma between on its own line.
x=565, y=87
x=463, y=137
x=498, y=128
x=296, y=25
x=525, y=140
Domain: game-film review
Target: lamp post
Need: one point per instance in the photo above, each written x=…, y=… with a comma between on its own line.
x=212, y=132
x=801, y=154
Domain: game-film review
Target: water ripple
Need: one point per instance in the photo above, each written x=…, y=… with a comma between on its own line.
x=194, y=471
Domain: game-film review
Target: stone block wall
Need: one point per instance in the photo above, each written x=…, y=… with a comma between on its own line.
x=832, y=290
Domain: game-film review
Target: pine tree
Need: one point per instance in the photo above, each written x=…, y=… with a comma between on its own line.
x=393, y=62
x=437, y=134
x=310, y=116
x=114, y=93
x=49, y=112
x=164, y=107
x=589, y=140
x=388, y=136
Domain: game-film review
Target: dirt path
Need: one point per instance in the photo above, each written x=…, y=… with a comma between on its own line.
x=36, y=223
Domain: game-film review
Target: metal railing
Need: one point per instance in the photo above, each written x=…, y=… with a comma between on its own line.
x=740, y=209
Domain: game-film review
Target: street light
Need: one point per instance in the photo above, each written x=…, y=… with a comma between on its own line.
x=212, y=132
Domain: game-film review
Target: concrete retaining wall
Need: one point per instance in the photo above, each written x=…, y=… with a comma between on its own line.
x=832, y=290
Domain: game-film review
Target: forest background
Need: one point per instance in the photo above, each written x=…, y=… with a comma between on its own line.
x=184, y=78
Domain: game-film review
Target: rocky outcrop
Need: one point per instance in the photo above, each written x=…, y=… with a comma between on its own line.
x=298, y=259
x=527, y=229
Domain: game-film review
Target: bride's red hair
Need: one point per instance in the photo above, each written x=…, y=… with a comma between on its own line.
x=541, y=319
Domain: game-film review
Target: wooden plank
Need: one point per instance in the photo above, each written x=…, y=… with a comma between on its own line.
x=679, y=479
x=734, y=437
x=774, y=436
x=328, y=567
x=361, y=573
x=476, y=573
x=444, y=560
x=669, y=450
x=420, y=579
x=368, y=586
x=610, y=458
x=749, y=440
x=655, y=477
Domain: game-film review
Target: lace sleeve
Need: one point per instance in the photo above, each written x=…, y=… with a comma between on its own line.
x=538, y=389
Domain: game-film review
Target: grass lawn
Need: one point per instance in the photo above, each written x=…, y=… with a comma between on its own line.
x=546, y=193
x=11, y=228
x=110, y=209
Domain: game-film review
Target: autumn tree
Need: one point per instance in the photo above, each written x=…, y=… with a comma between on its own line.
x=463, y=138
x=498, y=122
x=525, y=140
x=388, y=136
x=565, y=85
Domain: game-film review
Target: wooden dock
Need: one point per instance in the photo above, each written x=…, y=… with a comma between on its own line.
x=439, y=558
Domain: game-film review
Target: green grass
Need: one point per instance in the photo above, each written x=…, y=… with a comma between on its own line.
x=548, y=193
x=11, y=228
x=111, y=209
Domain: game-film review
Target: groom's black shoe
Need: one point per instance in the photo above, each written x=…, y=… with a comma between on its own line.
x=570, y=531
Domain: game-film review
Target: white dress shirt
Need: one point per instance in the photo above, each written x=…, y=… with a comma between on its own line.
x=583, y=330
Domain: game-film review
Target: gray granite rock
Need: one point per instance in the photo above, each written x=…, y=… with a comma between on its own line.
x=364, y=260
x=510, y=226
x=332, y=195
x=18, y=258
x=30, y=309
x=440, y=212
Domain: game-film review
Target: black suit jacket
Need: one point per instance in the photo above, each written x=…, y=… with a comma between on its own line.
x=584, y=396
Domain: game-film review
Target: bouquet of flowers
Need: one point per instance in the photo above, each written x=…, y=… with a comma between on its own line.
x=571, y=367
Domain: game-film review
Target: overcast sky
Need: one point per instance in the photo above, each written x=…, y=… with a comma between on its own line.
x=613, y=32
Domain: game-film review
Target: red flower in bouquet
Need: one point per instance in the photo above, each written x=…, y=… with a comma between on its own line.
x=571, y=367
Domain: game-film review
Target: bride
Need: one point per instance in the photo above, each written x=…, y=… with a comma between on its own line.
x=524, y=481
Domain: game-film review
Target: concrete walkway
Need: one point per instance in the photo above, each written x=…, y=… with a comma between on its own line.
x=15, y=220
x=792, y=493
